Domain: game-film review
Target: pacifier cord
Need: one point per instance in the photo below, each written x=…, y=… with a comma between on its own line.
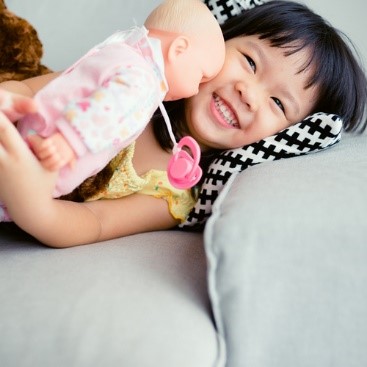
x=183, y=169
x=169, y=126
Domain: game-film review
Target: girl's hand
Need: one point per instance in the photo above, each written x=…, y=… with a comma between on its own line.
x=14, y=106
x=24, y=184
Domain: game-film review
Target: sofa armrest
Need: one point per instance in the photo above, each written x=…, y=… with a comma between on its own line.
x=287, y=249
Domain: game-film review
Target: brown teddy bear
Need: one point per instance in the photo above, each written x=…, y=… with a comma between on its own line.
x=20, y=58
x=21, y=49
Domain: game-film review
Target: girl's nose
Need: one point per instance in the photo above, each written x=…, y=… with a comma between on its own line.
x=249, y=95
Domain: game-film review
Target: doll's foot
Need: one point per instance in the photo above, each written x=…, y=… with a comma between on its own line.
x=15, y=106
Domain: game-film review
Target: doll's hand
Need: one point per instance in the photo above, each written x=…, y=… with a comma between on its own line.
x=14, y=106
x=53, y=152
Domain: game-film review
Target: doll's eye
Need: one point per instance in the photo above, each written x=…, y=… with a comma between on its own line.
x=251, y=63
x=278, y=103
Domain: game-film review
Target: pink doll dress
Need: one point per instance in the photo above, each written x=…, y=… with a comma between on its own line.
x=101, y=103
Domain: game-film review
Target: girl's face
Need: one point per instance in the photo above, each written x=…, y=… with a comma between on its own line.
x=258, y=92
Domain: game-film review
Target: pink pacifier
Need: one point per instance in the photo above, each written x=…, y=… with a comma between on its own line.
x=183, y=169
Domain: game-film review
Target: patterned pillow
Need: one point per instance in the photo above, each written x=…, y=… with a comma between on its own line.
x=315, y=133
x=224, y=9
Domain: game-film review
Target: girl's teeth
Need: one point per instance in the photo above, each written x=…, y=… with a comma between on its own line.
x=225, y=112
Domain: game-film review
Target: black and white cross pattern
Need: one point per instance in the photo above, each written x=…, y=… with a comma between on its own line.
x=224, y=9
x=315, y=133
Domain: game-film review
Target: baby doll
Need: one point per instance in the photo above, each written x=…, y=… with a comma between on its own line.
x=102, y=102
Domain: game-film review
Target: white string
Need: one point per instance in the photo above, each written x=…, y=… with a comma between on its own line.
x=168, y=123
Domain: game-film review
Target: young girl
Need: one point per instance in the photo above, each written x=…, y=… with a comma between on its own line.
x=277, y=70
x=100, y=104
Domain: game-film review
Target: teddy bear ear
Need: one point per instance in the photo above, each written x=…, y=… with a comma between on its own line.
x=21, y=54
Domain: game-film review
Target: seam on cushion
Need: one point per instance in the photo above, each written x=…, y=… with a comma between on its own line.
x=209, y=236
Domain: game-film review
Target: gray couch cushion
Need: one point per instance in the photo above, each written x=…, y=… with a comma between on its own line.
x=137, y=301
x=287, y=250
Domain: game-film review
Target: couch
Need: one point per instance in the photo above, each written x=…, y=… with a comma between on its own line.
x=277, y=278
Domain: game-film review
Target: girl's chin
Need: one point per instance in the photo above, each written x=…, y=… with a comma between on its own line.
x=209, y=142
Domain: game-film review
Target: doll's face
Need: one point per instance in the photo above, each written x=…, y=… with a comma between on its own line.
x=258, y=92
x=200, y=61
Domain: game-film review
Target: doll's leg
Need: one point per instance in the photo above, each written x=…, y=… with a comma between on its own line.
x=14, y=105
x=53, y=152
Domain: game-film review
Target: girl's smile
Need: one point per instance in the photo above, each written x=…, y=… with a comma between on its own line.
x=224, y=113
x=258, y=92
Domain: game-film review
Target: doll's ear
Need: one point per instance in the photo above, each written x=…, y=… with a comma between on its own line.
x=178, y=47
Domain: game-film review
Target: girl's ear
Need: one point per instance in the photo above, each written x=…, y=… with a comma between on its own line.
x=178, y=47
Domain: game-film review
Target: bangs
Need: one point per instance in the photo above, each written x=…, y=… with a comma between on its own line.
x=285, y=25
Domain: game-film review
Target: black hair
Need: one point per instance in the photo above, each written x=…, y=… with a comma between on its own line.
x=335, y=63
x=336, y=70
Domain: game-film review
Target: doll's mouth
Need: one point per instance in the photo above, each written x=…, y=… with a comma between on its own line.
x=224, y=113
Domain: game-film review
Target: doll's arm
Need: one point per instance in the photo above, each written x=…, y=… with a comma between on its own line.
x=53, y=152
x=28, y=87
x=17, y=87
x=16, y=96
x=15, y=105
x=113, y=114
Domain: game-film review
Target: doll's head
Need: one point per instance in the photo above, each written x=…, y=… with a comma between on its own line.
x=192, y=44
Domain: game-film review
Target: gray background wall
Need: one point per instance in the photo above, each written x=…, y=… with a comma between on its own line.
x=65, y=38
x=347, y=15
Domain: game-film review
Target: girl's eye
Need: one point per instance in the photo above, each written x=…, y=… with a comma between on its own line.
x=278, y=103
x=251, y=63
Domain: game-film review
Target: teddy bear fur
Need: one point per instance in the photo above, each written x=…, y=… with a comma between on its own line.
x=21, y=48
